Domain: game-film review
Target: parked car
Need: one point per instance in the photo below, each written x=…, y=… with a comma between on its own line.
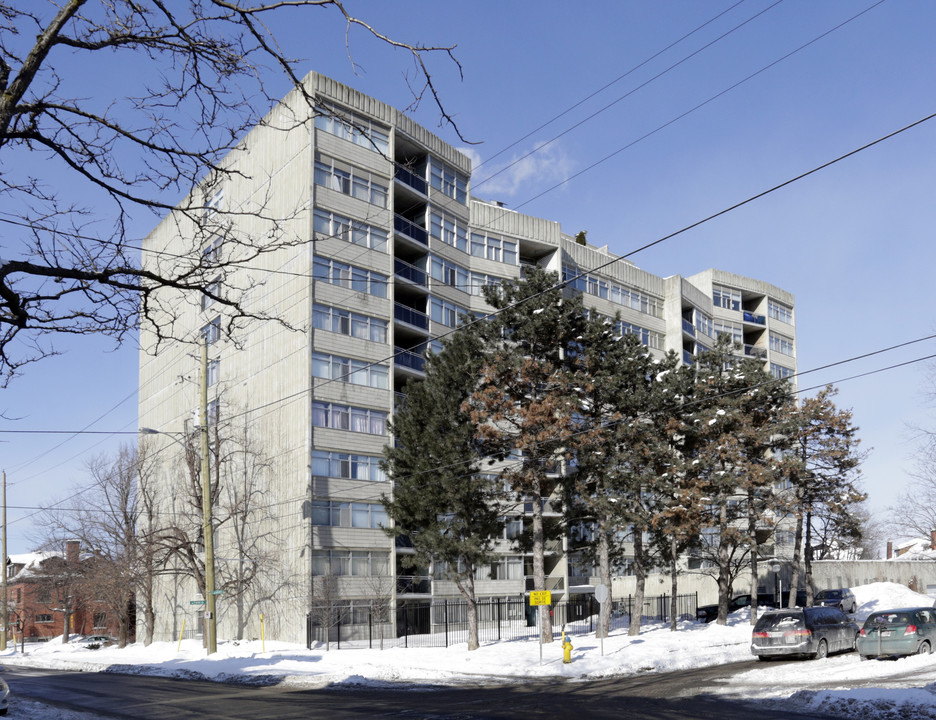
x=4, y=697
x=804, y=632
x=97, y=641
x=842, y=598
x=890, y=633
x=708, y=613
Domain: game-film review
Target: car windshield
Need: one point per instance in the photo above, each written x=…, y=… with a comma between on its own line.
x=829, y=595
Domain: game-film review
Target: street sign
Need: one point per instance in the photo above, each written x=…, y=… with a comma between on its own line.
x=196, y=602
x=540, y=597
x=601, y=593
x=216, y=592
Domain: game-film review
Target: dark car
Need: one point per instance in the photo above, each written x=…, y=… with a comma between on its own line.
x=842, y=598
x=707, y=613
x=893, y=633
x=803, y=632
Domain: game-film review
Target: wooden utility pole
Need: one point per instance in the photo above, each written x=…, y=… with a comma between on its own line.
x=4, y=610
x=211, y=622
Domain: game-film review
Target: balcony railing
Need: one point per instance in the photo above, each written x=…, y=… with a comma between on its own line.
x=752, y=318
x=411, y=316
x=552, y=583
x=687, y=357
x=409, y=272
x=688, y=327
x=410, y=178
x=754, y=351
x=409, y=359
x=410, y=229
x=410, y=584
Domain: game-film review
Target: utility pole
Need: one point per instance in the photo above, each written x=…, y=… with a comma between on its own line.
x=4, y=610
x=210, y=597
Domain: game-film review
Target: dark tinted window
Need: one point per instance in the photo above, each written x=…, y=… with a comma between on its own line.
x=829, y=595
x=780, y=621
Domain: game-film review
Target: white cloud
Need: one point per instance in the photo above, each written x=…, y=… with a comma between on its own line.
x=525, y=174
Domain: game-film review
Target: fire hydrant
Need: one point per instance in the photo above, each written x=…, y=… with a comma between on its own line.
x=566, y=649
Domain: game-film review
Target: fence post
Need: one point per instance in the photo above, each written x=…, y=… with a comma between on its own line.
x=445, y=616
x=339, y=630
x=370, y=630
x=498, y=618
x=405, y=626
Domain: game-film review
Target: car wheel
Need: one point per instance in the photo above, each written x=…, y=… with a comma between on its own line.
x=924, y=648
x=822, y=652
x=867, y=657
x=763, y=658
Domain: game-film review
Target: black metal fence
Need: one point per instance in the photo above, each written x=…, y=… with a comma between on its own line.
x=440, y=623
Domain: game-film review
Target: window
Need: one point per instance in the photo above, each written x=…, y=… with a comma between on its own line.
x=213, y=203
x=781, y=344
x=348, y=276
x=211, y=332
x=779, y=311
x=650, y=338
x=211, y=253
x=214, y=372
x=347, y=466
x=620, y=294
x=349, y=180
x=479, y=281
x=329, y=224
x=780, y=372
x=725, y=297
x=494, y=248
x=726, y=327
x=214, y=410
x=704, y=324
x=346, y=322
x=513, y=527
x=349, y=514
x=444, y=312
x=448, y=180
x=449, y=230
x=356, y=372
x=358, y=563
x=100, y=621
x=344, y=417
x=214, y=287
x=448, y=273
x=355, y=128
x=43, y=618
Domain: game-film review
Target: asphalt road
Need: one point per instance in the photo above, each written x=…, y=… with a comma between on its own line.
x=660, y=696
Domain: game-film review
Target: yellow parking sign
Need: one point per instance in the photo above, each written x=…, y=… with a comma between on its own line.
x=540, y=597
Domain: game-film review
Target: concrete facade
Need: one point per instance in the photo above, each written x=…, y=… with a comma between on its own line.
x=388, y=247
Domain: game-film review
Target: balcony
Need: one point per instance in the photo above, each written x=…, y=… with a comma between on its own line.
x=409, y=229
x=688, y=327
x=750, y=317
x=410, y=316
x=687, y=357
x=413, y=584
x=552, y=583
x=410, y=179
x=409, y=272
x=754, y=351
x=409, y=359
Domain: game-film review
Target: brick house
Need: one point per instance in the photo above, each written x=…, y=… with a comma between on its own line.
x=44, y=587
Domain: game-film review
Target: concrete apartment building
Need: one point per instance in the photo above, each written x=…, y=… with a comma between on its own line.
x=390, y=247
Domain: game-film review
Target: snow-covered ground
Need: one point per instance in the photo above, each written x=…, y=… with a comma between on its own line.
x=877, y=689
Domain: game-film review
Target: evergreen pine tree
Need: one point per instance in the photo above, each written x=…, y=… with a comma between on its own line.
x=440, y=502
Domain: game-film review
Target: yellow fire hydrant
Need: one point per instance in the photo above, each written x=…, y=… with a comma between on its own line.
x=566, y=649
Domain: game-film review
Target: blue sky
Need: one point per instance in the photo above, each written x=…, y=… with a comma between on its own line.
x=853, y=243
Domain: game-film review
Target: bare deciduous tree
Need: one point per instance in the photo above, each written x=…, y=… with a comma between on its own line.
x=81, y=164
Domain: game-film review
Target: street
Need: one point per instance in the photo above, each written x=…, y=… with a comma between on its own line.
x=658, y=696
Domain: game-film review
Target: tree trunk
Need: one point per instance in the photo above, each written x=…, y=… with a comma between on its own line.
x=604, y=572
x=797, y=560
x=674, y=586
x=807, y=558
x=724, y=570
x=640, y=575
x=539, y=559
x=752, y=534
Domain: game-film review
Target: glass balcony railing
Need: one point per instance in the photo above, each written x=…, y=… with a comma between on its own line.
x=407, y=177
x=688, y=327
x=408, y=584
x=409, y=359
x=754, y=351
x=687, y=357
x=410, y=229
x=411, y=316
x=756, y=319
x=409, y=272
